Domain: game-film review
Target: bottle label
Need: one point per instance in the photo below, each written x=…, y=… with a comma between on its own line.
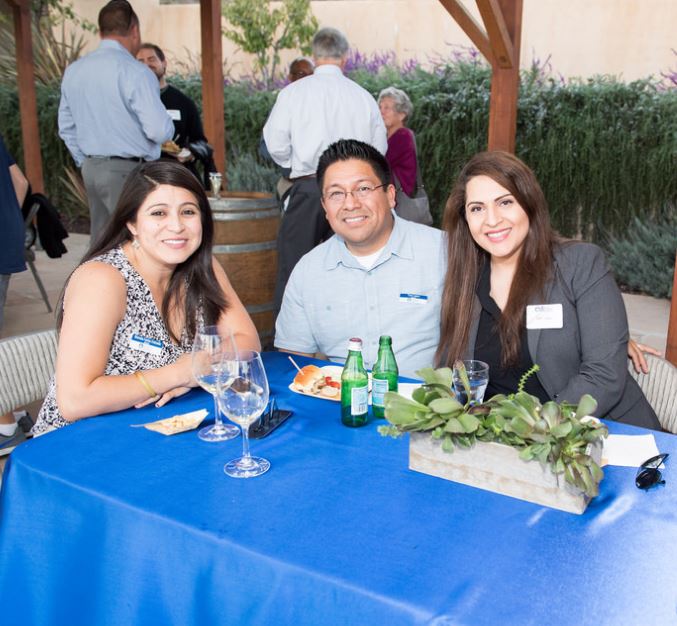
x=358, y=400
x=378, y=390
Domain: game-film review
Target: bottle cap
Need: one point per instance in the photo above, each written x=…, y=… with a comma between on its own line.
x=355, y=343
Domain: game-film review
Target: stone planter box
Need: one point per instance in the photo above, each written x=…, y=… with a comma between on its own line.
x=496, y=467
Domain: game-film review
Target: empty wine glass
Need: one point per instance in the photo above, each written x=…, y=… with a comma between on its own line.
x=215, y=180
x=243, y=401
x=208, y=349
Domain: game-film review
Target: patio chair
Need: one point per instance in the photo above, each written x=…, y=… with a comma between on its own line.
x=27, y=362
x=660, y=388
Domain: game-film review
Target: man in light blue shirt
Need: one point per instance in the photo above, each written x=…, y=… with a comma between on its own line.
x=378, y=275
x=110, y=116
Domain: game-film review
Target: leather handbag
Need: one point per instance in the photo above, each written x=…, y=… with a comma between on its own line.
x=414, y=208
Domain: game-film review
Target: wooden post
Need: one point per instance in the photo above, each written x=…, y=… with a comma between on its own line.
x=212, y=81
x=500, y=45
x=30, y=132
x=505, y=83
x=671, y=347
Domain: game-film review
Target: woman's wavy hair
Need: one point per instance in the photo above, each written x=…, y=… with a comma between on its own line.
x=466, y=259
x=193, y=283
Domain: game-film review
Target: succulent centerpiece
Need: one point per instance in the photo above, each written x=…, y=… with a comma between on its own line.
x=559, y=436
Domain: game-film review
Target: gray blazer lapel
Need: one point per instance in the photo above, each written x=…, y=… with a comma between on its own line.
x=534, y=334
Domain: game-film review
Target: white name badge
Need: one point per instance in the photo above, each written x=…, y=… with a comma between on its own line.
x=146, y=344
x=413, y=298
x=540, y=316
x=175, y=114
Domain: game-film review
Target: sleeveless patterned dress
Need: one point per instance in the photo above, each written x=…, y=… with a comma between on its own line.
x=142, y=318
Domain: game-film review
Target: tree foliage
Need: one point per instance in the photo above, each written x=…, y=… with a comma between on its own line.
x=59, y=37
x=259, y=29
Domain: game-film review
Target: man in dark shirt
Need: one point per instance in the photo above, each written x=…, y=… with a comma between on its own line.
x=182, y=110
x=13, y=189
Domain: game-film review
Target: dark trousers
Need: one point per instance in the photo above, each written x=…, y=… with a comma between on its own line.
x=303, y=226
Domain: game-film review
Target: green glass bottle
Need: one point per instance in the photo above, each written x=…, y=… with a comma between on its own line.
x=354, y=387
x=383, y=375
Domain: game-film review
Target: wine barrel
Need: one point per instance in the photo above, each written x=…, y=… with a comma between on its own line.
x=245, y=243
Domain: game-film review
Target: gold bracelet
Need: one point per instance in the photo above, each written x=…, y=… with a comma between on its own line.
x=146, y=385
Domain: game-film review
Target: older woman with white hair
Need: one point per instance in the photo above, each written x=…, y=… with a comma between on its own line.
x=396, y=108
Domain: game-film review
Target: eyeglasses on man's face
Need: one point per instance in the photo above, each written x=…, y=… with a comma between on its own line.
x=337, y=197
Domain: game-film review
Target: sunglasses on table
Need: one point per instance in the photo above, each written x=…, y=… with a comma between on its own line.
x=649, y=474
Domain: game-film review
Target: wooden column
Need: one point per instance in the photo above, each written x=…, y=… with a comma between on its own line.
x=500, y=45
x=30, y=133
x=671, y=348
x=212, y=81
x=504, y=80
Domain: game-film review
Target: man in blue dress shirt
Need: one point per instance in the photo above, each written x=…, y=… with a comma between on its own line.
x=111, y=116
x=378, y=275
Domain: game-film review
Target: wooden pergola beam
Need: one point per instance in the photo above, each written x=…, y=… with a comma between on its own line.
x=505, y=82
x=497, y=31
x=212, y=81
x=470, y=27
x=30, y=132
x=501, y=48
x=671, y=347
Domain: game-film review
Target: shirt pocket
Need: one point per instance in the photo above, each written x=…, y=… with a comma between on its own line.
x=418, y=307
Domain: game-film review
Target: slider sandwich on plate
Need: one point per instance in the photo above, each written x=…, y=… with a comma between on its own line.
x=322, y=382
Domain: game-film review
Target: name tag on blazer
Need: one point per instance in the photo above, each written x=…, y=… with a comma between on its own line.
x=541, y=316
x=175, y=114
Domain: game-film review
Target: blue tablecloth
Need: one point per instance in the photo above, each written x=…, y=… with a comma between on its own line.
x=106, y=524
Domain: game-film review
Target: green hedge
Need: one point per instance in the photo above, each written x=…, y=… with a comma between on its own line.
x=604, y=151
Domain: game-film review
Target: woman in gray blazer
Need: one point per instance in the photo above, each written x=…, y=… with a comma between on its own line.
x=517, y=294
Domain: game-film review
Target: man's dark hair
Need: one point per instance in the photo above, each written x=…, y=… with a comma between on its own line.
x=116, y=18
x=151, y=46
x=347, y=149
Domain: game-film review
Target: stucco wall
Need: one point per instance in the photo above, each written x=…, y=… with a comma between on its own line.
x=631, y=38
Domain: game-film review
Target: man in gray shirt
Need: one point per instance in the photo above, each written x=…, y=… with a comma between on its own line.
x=378, y=275
x=110, y=116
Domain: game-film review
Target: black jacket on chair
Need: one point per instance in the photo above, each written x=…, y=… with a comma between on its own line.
x=50, y=229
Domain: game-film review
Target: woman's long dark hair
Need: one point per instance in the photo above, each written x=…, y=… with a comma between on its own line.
x=193, y=281
x=466, y=259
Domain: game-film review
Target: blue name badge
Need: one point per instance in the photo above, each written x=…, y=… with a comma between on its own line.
x=146, y=344
x=413, y=298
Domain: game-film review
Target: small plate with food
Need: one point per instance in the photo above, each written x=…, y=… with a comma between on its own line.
x=171, y=147
x=319, y=382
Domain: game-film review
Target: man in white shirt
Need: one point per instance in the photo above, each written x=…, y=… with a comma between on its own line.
x=378, y=275
x=309, y=115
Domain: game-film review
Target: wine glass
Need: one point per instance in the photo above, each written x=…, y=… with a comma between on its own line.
x=208, y=349
x=215, y=183
x=243, y=400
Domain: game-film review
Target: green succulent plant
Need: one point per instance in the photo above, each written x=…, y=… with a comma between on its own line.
x=556, y=435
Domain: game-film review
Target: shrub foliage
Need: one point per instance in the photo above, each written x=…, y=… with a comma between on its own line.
x=604, y=151
x=643, y=259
